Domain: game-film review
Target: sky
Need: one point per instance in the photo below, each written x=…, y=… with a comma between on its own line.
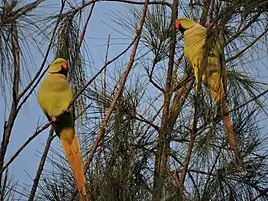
x=24, y=167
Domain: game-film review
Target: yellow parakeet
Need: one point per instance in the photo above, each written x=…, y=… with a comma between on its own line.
x=211, y=72
x=54, y=96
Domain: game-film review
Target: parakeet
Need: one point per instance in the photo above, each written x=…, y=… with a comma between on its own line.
x=54, y=97
x=211, y=72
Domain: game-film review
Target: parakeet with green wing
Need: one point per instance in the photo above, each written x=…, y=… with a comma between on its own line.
x=54, y=96
x=207, y=60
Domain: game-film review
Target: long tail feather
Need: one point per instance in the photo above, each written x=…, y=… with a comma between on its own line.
x=71, y=147
x=220, y=97
x=231, y=136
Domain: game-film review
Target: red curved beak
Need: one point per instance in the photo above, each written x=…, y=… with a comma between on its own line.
x=65, y=66
x=178, y=24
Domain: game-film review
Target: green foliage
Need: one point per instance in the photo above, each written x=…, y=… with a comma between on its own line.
x=68, y=47
x=21, y=16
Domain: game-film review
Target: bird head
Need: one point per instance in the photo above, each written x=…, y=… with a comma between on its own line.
x=184, y=23
x=59, y=65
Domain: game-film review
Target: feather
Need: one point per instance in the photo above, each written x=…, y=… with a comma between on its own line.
x=213, y=74
x=54, y=96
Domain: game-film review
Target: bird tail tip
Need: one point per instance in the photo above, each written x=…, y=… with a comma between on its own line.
x=72, y=151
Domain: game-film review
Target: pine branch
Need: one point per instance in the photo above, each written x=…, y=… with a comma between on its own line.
x=15, y=91
x=118, y=93
x=161, y=156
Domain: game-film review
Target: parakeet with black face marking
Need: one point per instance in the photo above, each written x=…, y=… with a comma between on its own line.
x=213, y=74
x=54, y=97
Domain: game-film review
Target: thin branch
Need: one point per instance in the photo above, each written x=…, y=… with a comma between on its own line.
x=205, y=12
x=152, y=120
x=244, y=28
x=247, y=102
x=142, y=119
x=246, y=48
x=150, y=74
x=262, y=192
x=187, y=158
x=213, y=166
x=41, y=165
x=102, y=107
x=119, y=1
x=164, y=3
x=162, y=147
x=175, y=174
x=179, y=139
x=180, y=97
x=15, y=91
x=85, y=26
x=154, y=83
x=25, y=144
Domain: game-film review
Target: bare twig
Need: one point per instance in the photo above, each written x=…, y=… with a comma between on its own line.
x=150, y=74
x=213, y=166
x=184, y=87
x=176, y=177
x=85, y=26
x=187, y=158
x=119, y=1
x=24, y=145
x=154, y=83
x=104, y=86
x=165, y=3
x=152, y=120
x=41, y=165
x=240, y=53
x=178, y=101
x=247, y=102
x=142, y=119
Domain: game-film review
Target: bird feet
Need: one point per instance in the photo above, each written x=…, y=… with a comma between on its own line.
x=65, y=109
